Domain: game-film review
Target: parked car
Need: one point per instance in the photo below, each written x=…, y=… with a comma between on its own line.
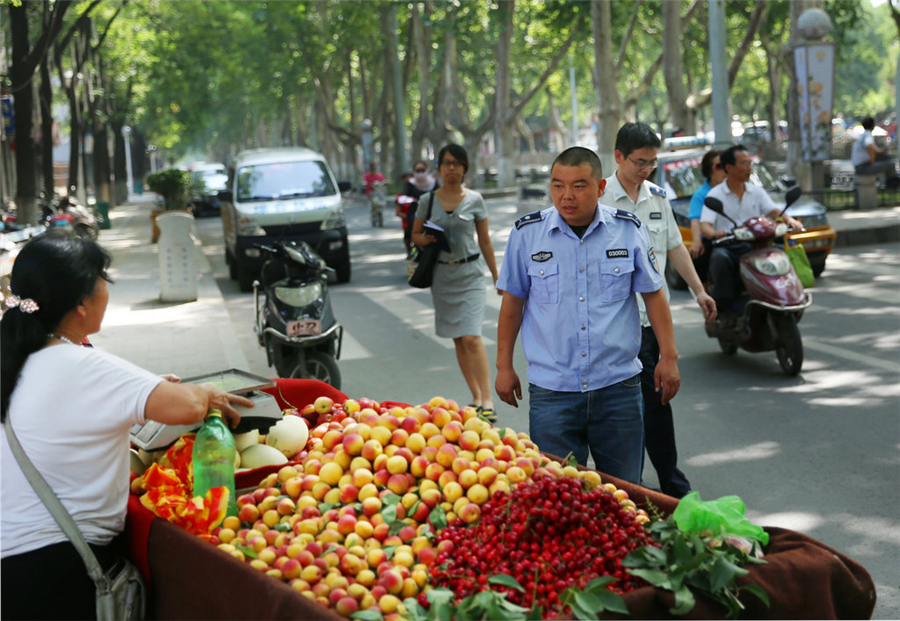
x=208, y=180
x=287, y=194
x=680, y=175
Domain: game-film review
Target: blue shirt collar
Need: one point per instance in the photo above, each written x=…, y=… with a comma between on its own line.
x=556, y=222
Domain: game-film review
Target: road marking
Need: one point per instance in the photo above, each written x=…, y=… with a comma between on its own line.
x=846, y=354
x=351, y=349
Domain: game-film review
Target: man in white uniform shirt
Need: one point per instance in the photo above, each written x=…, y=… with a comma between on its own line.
x=741, y=201
x=628, y=189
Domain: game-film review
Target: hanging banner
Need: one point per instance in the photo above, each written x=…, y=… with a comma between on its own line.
x=814, y=64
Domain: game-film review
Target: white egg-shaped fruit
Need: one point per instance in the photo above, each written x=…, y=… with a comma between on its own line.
x=259, y=455
x=243, y=440
x=289, y=435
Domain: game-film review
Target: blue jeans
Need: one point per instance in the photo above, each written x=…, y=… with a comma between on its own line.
x=607, y=421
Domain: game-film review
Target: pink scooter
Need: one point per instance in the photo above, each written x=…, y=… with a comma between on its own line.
x=773, y=298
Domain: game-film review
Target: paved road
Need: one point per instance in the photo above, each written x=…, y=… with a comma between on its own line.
x=818, y=453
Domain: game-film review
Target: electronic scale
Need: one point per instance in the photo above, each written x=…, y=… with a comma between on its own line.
x=153, y=436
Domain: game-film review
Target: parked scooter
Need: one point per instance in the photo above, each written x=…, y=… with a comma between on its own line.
x=85, y=222
x=294, y=319
x=377, y=202
x=773, y=299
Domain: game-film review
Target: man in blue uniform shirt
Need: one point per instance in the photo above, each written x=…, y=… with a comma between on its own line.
x=568, y=279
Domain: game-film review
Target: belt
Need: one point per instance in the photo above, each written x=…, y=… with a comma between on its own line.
x=469, y=259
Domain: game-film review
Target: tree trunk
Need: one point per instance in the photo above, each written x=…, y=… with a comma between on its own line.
x=560, y=130
x=605, y=80
x=23, y=105
x=46, y=97
x=422, y=41
x=506, y=151
x=673, y=69
x=799, y=169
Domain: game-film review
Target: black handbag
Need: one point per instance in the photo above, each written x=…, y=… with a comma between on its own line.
x=421, y=266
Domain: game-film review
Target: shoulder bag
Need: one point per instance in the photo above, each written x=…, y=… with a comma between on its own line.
x=121, y=594
x=421, y=267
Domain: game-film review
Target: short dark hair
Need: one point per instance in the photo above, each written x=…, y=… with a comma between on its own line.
x=868, y=123
x=418, y=162
x=458, y=152
x=706, y=164
x=634, y=136
x=576, y=156
x=727, y=157
x=56, y=272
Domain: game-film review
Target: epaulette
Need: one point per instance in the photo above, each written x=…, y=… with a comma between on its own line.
x=627, y=215
x=655, y=189
x=530, y=218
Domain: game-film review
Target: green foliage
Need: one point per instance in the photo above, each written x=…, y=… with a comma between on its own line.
x=687, y=562
x=173, y=185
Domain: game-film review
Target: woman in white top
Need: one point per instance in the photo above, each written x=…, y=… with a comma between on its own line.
x=72, y=408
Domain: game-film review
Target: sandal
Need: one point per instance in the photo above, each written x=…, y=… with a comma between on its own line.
x=488, y=414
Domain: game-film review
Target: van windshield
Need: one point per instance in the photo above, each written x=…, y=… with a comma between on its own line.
x=266, y=182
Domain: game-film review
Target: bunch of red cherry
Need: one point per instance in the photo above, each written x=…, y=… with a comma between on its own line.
x=550, y=534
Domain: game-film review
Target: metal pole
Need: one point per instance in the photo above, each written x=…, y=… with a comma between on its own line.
x=574, y=99
x=401, y=160
x=126, y=134
x=721, y=102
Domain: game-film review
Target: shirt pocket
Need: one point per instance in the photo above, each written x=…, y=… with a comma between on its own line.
x=656, y=230
x=615, y=280
x=544, y=283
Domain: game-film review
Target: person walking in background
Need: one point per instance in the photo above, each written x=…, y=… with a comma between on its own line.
x=458, y=286
x=568, y=279
x=701, y=247
x=422, y=181
x=628, y=189
x=401, y=208
x=71, y=408
x=371, y=177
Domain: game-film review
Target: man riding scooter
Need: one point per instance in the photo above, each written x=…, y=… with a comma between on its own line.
x=741, y=201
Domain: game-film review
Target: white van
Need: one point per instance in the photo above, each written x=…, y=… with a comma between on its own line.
x=287, y=194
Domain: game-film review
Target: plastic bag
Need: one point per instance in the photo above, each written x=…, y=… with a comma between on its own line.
x=800, y=261
x=716, y=518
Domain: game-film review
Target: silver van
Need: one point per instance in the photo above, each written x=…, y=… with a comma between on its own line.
x=287, y=194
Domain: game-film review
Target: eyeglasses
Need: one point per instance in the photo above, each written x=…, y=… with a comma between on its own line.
x=419, y=170
x=644, y=163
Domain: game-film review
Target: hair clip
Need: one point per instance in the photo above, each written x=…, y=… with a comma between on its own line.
x=27, y=305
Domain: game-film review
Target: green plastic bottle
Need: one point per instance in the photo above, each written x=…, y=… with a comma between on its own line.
x=213, y=457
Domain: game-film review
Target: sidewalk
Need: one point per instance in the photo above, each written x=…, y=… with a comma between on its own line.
x=195, y=338
x=186, y=339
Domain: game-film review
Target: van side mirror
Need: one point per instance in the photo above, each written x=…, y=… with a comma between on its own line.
x=344, y=186
x=224, y=196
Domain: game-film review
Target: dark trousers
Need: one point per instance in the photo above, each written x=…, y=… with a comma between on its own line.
x=701, y=263
x=659, y=428
x=50, y=583
x=723, y=268
x=884, y=163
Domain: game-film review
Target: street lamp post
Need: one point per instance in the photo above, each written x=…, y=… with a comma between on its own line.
x=126, y=134
x=814, y=65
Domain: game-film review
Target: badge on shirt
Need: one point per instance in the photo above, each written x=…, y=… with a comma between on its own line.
x=652, y=256
x=656, y=215
x=617, y=253
x=542, y=256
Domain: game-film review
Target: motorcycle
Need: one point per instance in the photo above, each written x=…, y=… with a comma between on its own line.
x=294, y=320
x=85, y=222
x=773, y=299
x=377, y=202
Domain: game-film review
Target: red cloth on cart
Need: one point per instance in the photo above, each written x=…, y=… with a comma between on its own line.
x=298, y=393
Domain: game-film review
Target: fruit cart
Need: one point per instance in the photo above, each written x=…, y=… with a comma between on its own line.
x=189, y=578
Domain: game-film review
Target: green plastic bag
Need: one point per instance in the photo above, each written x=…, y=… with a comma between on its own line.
x=800, y=261
x=724, y=516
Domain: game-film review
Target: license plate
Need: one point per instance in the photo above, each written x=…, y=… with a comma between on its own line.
x=304, y=327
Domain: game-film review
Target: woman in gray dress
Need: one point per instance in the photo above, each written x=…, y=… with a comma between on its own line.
x=458, y=285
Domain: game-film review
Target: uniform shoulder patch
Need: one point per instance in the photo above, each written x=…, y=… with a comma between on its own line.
x=530, y=218
x=655, y=189
x=627, y=215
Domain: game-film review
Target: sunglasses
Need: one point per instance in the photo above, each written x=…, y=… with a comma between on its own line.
x=419, y=170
